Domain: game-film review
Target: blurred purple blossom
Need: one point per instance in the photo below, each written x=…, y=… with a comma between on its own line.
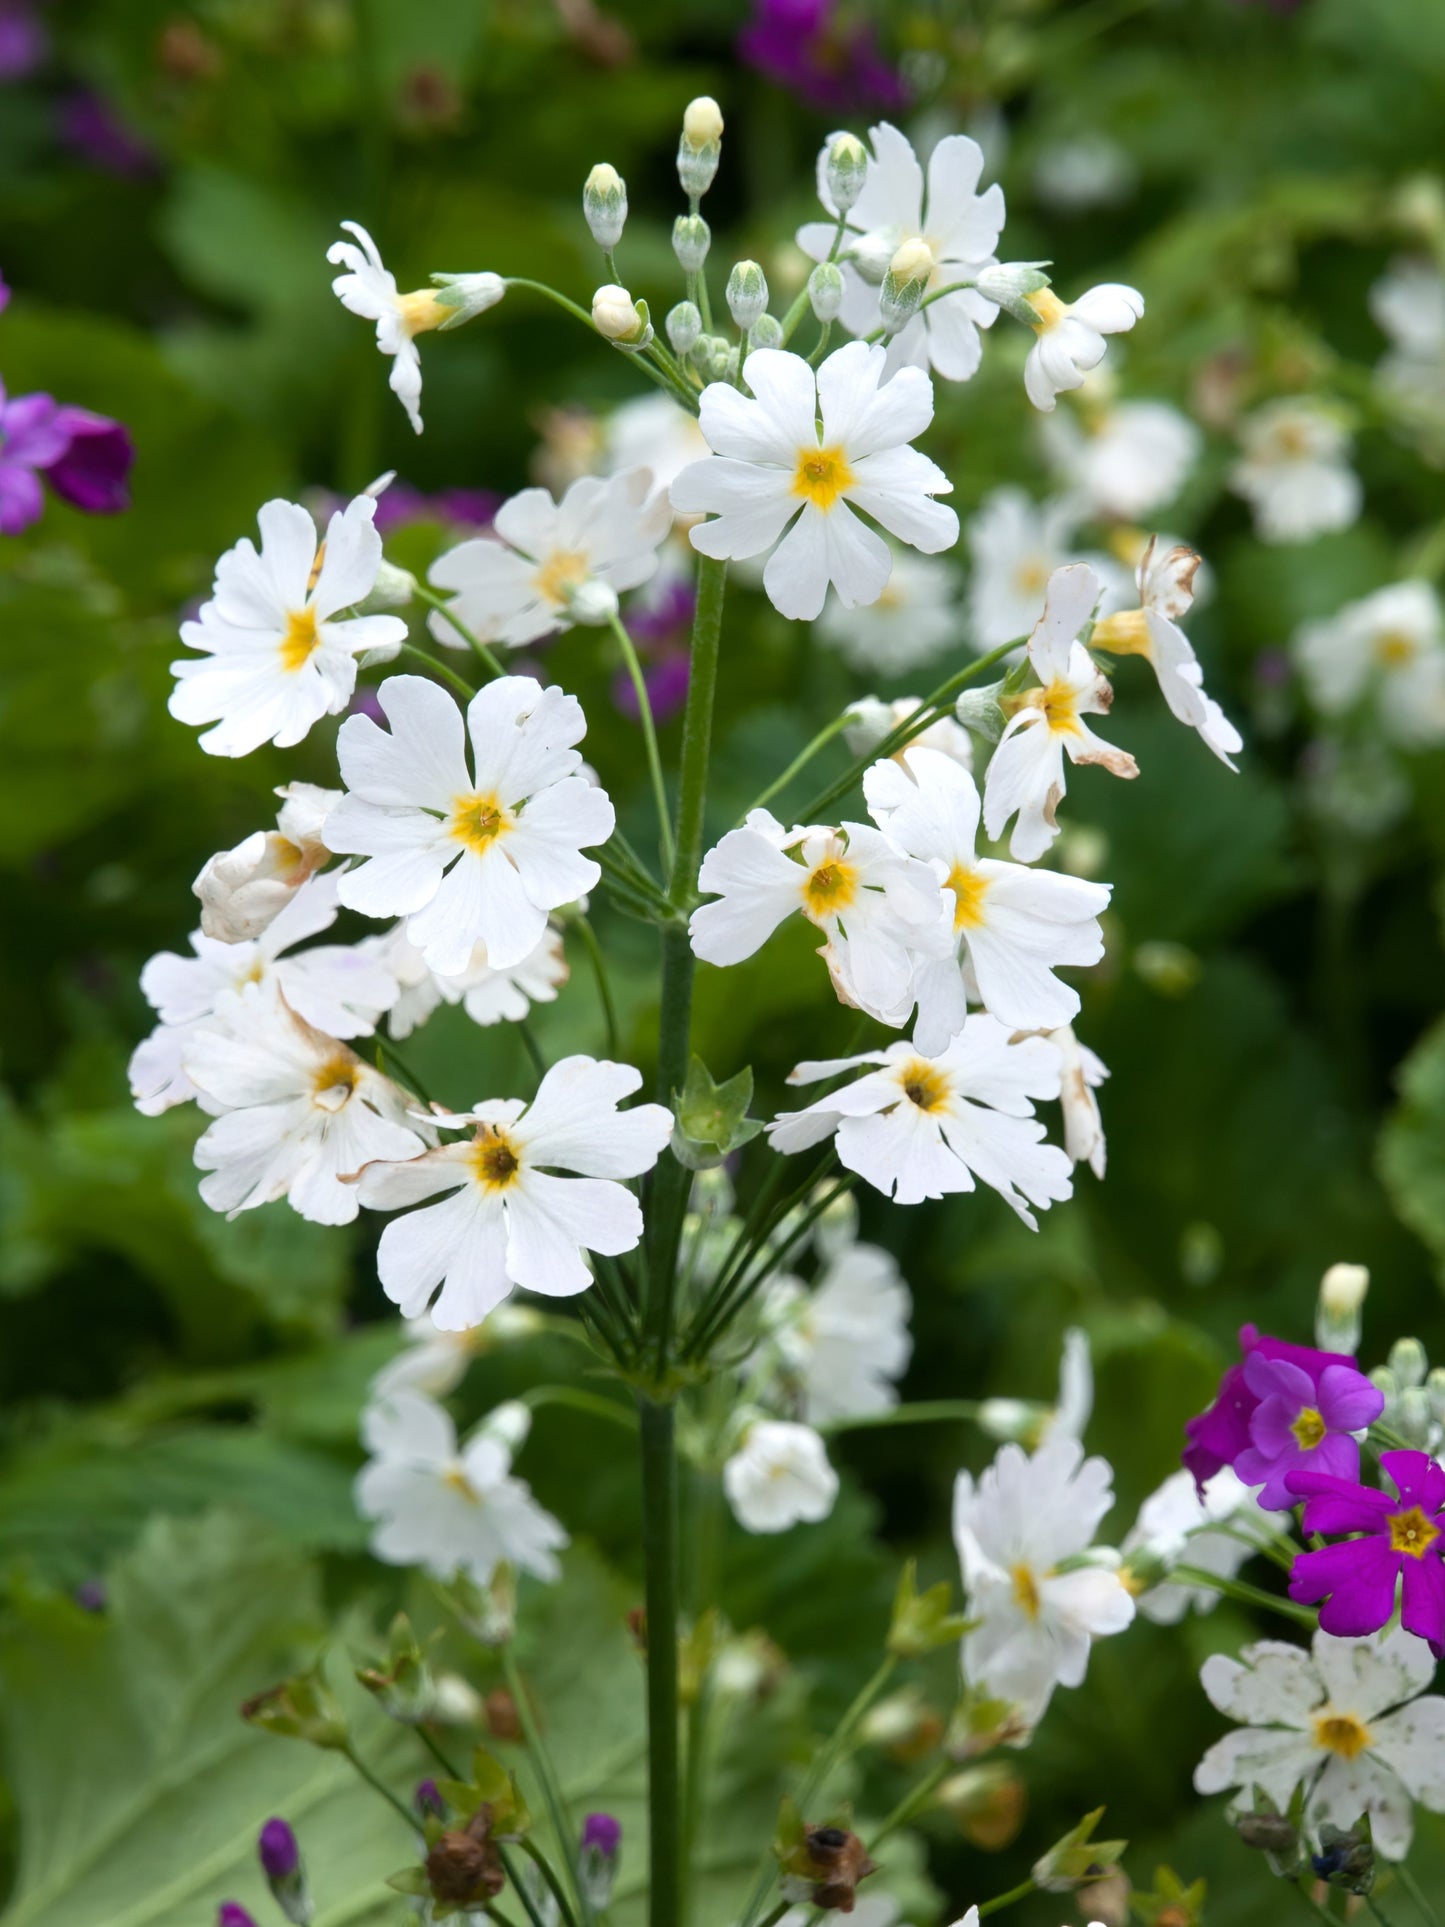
x=86, y=458
x=90, y=126
x=24, y=43
x=93, y=472
x=825, y=54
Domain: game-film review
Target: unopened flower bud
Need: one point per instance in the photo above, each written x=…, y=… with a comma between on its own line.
x=1078, y=1858
x=766, y=332
x=905, y=284
x=621, y=319
x=1435, y=1392
x=460, y=297
x=604, y=205
x=700, y=148
x=702, y=121
x=598, y=1857
x=428, y=1801
x=1019, y=1420
x=1412, y=1417
x=280, y=1859
x=684, y=325
x=1267, y=1832
x=1346, y=1859
x=711, y=356
x=747, y=293
x=1009, y=284
x=870, y=254
x=231, y=1913
x=691, y=239
x=988, y=1802
x=1337, y=1315
x=392, y=589
x=301, y=1708
x=593, y=603
x=464, y=1868
x=1388, y=1386
x=845, y=169
x=1171, y=969
x=825, y=290
x=1408, y=1362
x=978, y=710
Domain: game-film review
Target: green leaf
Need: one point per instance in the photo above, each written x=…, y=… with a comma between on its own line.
x=1411, y=1155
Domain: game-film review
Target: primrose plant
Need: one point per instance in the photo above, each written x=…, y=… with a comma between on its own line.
x=705, y=1261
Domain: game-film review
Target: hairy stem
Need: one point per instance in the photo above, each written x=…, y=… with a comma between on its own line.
x=649, y=735
x=479, y=649
x=659, y=1548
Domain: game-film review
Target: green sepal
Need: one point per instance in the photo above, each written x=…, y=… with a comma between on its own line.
x=922, y=1622
x=300, y=1708
x=712, y=1119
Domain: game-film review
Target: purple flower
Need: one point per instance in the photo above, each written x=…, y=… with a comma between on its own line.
x=233, y=1914
x=32, y=436
x=821, y=53
x=88, y=124
x=24, y=42
x=1401, y=1539
x=469, y=508
x=279, y=1854
x=602, y=1833
x=428, y=1799
x=4, y=294
x=597, y=1858
x=666, y=680
x=89, y=1595
x=1303, y=1423
x=1218, y=1436
x=93, y=471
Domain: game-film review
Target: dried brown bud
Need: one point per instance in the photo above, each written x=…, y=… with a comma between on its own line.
x=464, y=1868
x=637, y=1627
x=837, y=1860
x=503, y=1720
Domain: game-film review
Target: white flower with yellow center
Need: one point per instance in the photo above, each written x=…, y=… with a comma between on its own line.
x=877, y=907
x=1026, y=772
x=845, y=1342
x=447, y=1507
x=1345, y=1721
x=369, y=289
x=1039, y=1589
x=1082, y=1072
x=243, y=889
x=1070, y=337
x=519, y=583
x=956, y=224
x=653, y=432
x=870, y=719
x=1165, y=581
x=338, y=988
x=488, y=996
x=915, y=619
x=778, y=480
x=1408, y=303
x=277, y=656
x=1012, y=926
x=919, y=1127
x=779, y=1476
x=299, y=1112
x=1294, y=470
x=1389, y=646
x=476, y=855
x=1015, y=545
x=1212, y=1533
x=1120, y=459
x=529, y=1191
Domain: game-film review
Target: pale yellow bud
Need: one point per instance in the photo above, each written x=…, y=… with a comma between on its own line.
x=702, y=122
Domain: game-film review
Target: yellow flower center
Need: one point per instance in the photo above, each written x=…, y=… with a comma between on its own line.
x=1026, y=1591
x=479, y=820
x=924, y=1086
x=1124, y=634
x=300, y=641
x=1342, y=1733
x=562, y=572
x=1291, y=441
x=1309, y=1428
x=969, y=889
x=334, y=1082
x=421, y=311
x=1032, y=577
x=1392, y=648
x=1059, y=702
x=829, y=888
x=495, y=1159
x=1049, y=309
x=1412, y=1533
x=1128, y=544
x=822, y=476
x=455, y=1476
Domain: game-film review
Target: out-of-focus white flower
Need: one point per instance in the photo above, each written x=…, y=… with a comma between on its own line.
x=1408, y=302
x=337, y=988
x=488, y=996
x=1071, y=337
x=1015, y=1528
x=1120, y=459
x=877, y=907
x=1012, y=926
x=1175, y=1525
x=777, y=481
x=1345, y=1720
x=958, y=226
x=277, y=655
x=1294, y=471
x=1015, y=545
x=298, y=1112
x=1091, y=170
x=1389, y=646
x=533, y=1187
x=917, y=1127
x=914, y=619
x=435, y=1362
x=468, y=856
x=1028, y=1422
x=368, y=288
x=779, y=1477
x=446, y=1507
x=1026, y=771
x=243, y=889
x=653, y=432
x=519, y=582
x=846, y=1340
x=870, y=719
x=1082, y=1074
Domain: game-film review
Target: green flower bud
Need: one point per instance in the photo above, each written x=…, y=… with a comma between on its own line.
x=747, y=293
x=691, y=239
x=1009, y=285
x=700, y=148
x=604, y=205
x=905, y=284
x=766, y=332
x=684, y=325
x=1408, y=1362
x=845, y=170
x=825, y=290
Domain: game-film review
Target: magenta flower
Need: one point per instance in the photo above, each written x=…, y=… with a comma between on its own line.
x=1401, y=1539
x=824, y=54
x=1218, y=1436
x=1303, y=1423
x=24, y=42
x=91, y=128
x=93, y=472
x=32, y=436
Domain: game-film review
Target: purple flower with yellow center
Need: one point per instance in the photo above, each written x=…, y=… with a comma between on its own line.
x=1399, y=1547
x=1218, y=1436
x=1303, y=1423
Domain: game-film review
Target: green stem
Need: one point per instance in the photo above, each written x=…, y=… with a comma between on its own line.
x=649, y=736
x=604, y=987
x=552, y=1796
x=694, y=1780
x=479, y=649
x=912, y=1803
x=1302, y=1888
x=799, y=763
x=1417, y=1894
x=561, y=300
x=1378, y=1911
x=1246, y=1594
x=436, y=1752
x=532, y=1048
x=659, y=1549
x=1000, y=1901
x=380, y=1786
x=938, y=294
x=579, y=1401
x=554, y=1886
x=528, y=1904
x=821, y=346
x=937, y=1411
x=750, y=1282
x=751, y=1237
x=448, y=675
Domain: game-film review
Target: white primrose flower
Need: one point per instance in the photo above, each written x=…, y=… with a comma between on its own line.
x=919, y=1127
x=1120, y=459
x=845, y=1342
x=1028, y=1423
x=914, y=619
x=1408, y=303
x=876, y=906
x=243, y=889
x=532, y=1188
x=299, y=1112
x=1013, y=926
x=337, y=988
x=1041, y=1592
x=1015, y=544
x=1026, y=771
x=369, y=289
x=277, y=654
x=1390, y=645
x=444, y=1506
x=435, y=1362
x=1176, y=1525
x=488, y=996
x=1346, y=1721
x=1081, y=1072
x=779, y=1476
x=653, y=432
x=468, y=856
x=958, y=225
x=1071, y=337
x=520, y=582
x=1165, y=580
x=776, y=482
x=1294, y=471
x=870, y=719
